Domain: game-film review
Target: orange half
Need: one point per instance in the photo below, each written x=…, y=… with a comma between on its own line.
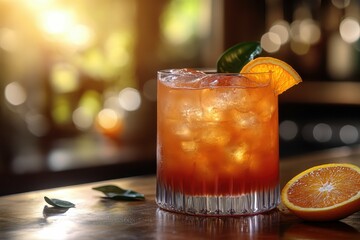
x=324, y=193
x=283, y=75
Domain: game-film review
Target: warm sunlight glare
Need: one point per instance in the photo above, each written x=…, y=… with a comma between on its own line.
x=56, y=21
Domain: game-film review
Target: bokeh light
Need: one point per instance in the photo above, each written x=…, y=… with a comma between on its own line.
x=80, y=36
x=56, y=22
x=110, y=122
x=309, y=31
x=37, y=124
x=113, y=102
x=341, y=3
x=91, y=100
x=82, y=118
x=288, y=130
x=349, y=134
x=350, y=30
x=322, y=132
x=340, y=62
x=61, y=110
x=15, y=93
x=179, y=18
x=59, y=159
x=108, y=118
x=270, y=42
x=64, y=78
x=117, y=49
x=306, y=31
x=282, y=29
x=130, y=99
x=26, y=163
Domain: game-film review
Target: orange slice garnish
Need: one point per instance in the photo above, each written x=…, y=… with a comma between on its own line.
x=324, y=193
x=283, y=75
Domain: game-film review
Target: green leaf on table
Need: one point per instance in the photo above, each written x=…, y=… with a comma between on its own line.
x=117, y=193
x=236, y=57
x=59, y=203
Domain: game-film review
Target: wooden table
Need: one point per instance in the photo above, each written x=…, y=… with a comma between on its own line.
x=23, y=216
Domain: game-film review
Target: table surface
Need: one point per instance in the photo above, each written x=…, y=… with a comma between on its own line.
x=27, y=216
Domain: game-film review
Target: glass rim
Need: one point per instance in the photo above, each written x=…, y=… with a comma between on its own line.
x=169, y=76
x=210, y=71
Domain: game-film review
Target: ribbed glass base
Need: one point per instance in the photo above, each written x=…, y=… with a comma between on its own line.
x=244, y=204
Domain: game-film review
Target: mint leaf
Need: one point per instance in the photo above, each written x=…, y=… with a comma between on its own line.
x=59, y=203
x=117, y=193
x=236, y=57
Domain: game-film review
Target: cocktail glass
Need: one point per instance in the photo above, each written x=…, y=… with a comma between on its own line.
x=217, y=143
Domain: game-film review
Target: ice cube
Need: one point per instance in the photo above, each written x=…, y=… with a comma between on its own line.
x=192, y=114
x=189, y=146
x=210, y=81
x=215, y=101
x=187, y=71
x=239, y=154
x=237, y=159
x=185, y=77
x=213, y=114
x=181, y=105
x=215, y=135
x=265, y=110
x=226, y=99
x=181, y=130
x=226, y=80
x=244, y=119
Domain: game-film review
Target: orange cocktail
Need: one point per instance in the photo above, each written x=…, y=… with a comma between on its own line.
x=217, y=149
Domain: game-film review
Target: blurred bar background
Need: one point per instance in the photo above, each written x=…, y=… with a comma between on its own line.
x=78, y=78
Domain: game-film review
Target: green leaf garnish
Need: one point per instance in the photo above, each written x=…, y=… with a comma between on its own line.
x=236, y=57
x=117, y=193
x=59, y=203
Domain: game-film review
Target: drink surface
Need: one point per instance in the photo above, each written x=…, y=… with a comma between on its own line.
x=217, y=134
